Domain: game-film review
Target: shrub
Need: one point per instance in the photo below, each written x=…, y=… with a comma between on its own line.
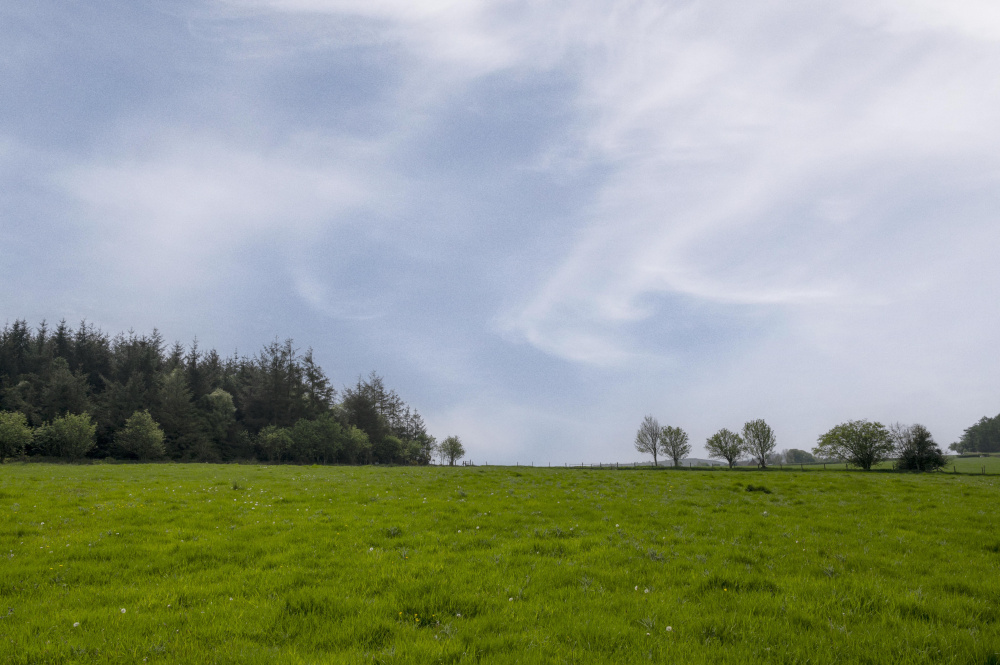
x=318, y=440
x=274, y=443
x=71, y=436
x=15, y=434
x=141, y=437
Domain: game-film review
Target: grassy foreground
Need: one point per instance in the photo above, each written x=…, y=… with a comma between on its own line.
x=255, y=564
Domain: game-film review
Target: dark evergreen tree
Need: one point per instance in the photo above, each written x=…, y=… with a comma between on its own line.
x=209, y=407
x=983, y=437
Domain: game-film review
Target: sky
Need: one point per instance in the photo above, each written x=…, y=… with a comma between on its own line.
x=539, y=220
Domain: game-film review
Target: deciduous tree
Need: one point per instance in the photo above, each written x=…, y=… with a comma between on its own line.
x=141, y=437
x=725, y=445
x=915, y=448
x=759, y=440
x=647, y=439
x=15, y=434
x=674, y=443
x=451, y=450
x=858, y=442
x=796, y=456
x=70, y=436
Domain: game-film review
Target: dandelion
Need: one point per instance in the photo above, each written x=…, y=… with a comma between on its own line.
x=123, y=610
x=510, y=600
x=646, y=591
x=76, y=624
x=459, y=616
x=669, y=629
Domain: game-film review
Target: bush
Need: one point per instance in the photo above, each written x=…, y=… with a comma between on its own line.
x=15, y=434
x=71, y=436
x=318, y=440
x=274, y=443
x=141, y=437
x=357, y=447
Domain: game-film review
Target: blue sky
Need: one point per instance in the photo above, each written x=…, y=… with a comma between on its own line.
x=540, y=221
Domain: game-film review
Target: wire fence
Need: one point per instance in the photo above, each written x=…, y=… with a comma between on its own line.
x=950, y=468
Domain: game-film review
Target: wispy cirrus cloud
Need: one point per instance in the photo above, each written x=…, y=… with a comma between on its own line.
x=568, y=215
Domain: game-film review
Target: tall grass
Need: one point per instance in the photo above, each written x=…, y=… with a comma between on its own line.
x=226, y=564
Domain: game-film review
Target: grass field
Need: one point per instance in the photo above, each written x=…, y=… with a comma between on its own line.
x=990, y=464
x=254, y=564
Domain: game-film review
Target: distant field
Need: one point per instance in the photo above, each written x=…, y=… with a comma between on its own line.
x=254, y=564
x=974, y=464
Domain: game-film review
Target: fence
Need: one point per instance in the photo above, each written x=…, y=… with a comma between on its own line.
x=819, y=466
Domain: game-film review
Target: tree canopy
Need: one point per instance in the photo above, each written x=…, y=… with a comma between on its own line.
x=647, y=439
x=726, y=445
x=759, y=441
x=859, y=442
x=674, y=444
x=983, y=437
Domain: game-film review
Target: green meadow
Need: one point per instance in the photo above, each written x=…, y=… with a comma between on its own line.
x=170, y=563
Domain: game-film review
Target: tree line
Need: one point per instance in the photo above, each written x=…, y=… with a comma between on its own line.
x=81, y=392
x=858, y=442
x=982, y=437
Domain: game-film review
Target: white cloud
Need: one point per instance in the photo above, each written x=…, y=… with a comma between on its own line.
x=183, y=200
x=724, y=132
x=742, y=142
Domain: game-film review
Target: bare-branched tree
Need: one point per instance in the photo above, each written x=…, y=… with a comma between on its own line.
x=647, y=439
x=760, y=441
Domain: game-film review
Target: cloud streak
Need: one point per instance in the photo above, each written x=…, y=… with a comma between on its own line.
x=705, y=210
